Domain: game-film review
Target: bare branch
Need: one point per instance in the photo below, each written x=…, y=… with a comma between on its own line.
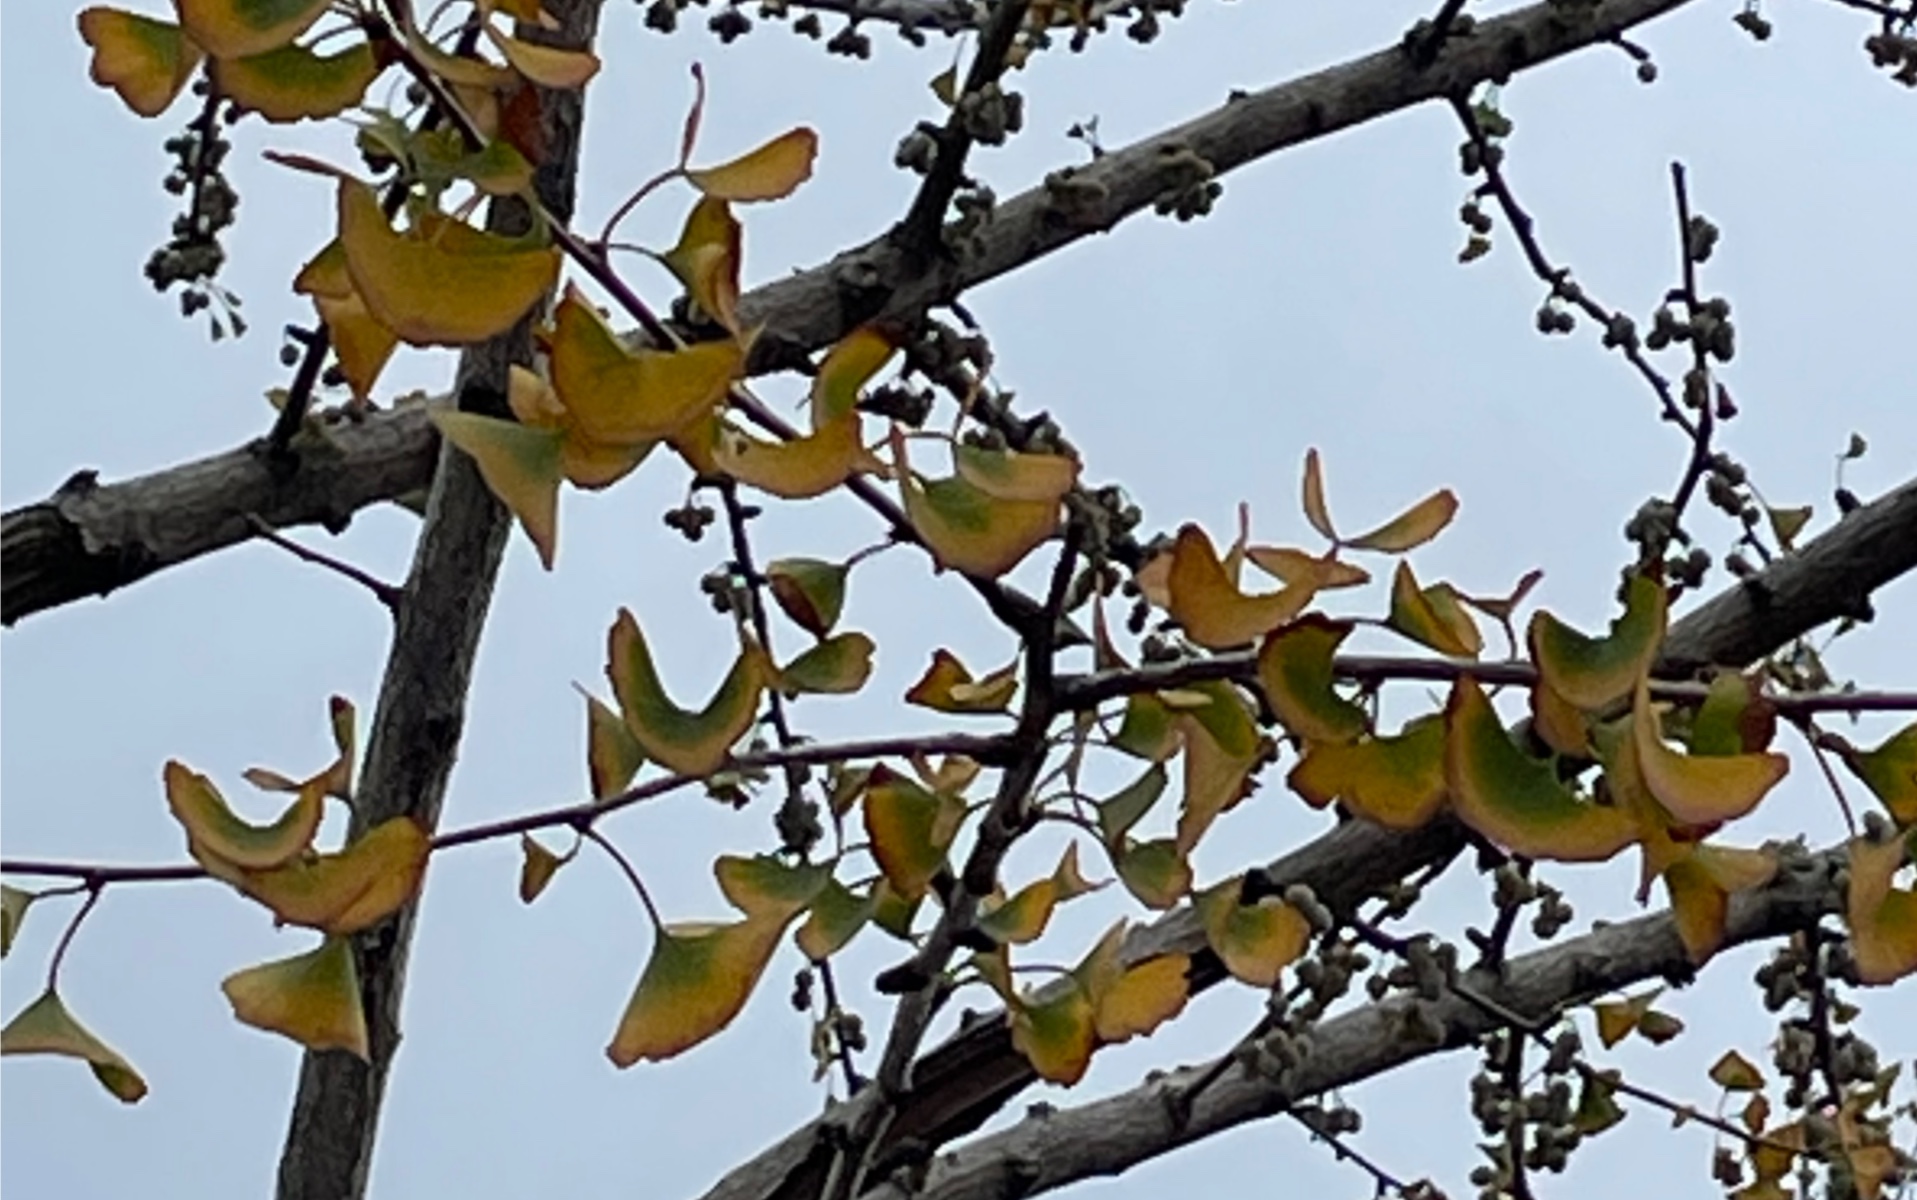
x=101, y=538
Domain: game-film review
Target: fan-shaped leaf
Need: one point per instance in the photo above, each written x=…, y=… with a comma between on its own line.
x=770, y=172
x=312, y=998
x=1592, y=673
x=947, y=686
x=146, y=61
x=1254, y=941
x=1204, y=599
x=910, y=828
x=1295, y=670
x=521, y=466
x=695, y=982
x=809, y=591
x=691, y=743
x=214, y=831
x=292, y=83
x=1413, y=527
x=1699, y=789
x=1882, y=918
x=838, y=665
x=1890, y=771
x=1397, y=781
x=1433, y=616
x=46, y=1027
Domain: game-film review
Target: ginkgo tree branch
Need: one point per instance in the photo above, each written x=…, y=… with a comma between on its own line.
x=90, y=539
x=1106, y=1137
x=960, y=1084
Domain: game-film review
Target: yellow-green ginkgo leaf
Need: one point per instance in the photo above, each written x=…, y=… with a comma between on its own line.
x=1515, y=800
x=798, y=469
x=1295, y=671
x=1009, y=475
x=238, y=28
x=613, y=755
x=1254, y=941
x=146, y=61
x=1882, y=918
x=893, y=912
x=1216, y=707
x=910, y=829
x=1890, y=771
x=1314, y=496
x=770, y=172
x=1701, y=884
x=846, y=368
x=691, y=743
x=808, y=590
x=583, y=462
x=947, y=686
x=1735, y=717
x=1057, y=1034
x=1413, y=527
x=521, y=466
x=1150, y=730
x=1143, y=997
x=1023, y=917
x=442, y=283
x=213, y=830
x=1123, y=809
x=970, y=530
x=697, y=979
x=1593, y=672
x=1432, y=616
x=1154, y=872
x=46, y=1027
x=14, y=903
x=1661, y=839
x=1561, y=725
x=706, y=260
x=548, y=66
x=835, y=918
x=350, y=890
x=312, y=998
x=1205, y=600
x=766, y=888
x=1217, y=777
x=839, y=665
x=624, y=398
x=1699, y=789
x=292, y=83
x=1397, y=781
x=537, y=866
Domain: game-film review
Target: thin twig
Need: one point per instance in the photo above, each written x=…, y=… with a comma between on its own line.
x=632, y=875
x=94, y=888
x=1386, y=1181
x=384, y=592
x=1700, y=459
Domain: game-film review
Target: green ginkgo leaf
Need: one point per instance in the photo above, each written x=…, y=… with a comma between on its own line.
x=46, y=1027
x=691, y=743
x=1593, y=672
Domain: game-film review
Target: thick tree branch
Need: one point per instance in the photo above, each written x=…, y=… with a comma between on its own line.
x=1109, y=1136
x=422, y=701
x=67, y=548
x=958, y=1085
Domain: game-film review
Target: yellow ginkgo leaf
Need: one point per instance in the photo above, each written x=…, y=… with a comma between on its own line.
x=1890, y=771
x=972, y=531
x=1320, y=572
x=706, y=260
x=1157, y=873
x=1882, y=918
x=312, y=998
x=537, y=866
x=1701, y=884
x=1058, y=1033
x=238, y=28
x=1593, y=672
x=442, y=283
x=846, y=368
x=521, y=466
x=770, y=172
x=1023, y=917
x=947, y=686
x=1518, y=801
x=46, y=1027
x=626, y=398
x=352, y=889
x=1314, y=496
x=697, y=979
x=1008, y=475
x=1143, y=997
x=810, y=591
x=691, y=743
x=1397, y=781
x=362, y=345
x=1699, y=789
x=836, y=915
x=798, y=469
x=14, y=903
x=146, y=61
x=1204, y=599
x=292, y=83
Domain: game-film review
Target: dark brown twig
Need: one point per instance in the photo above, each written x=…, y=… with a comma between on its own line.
x=386, y=593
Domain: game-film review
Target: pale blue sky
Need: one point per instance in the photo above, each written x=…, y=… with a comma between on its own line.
x=1320, y=305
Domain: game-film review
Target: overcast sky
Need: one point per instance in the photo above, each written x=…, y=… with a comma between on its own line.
x=1320, y=305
